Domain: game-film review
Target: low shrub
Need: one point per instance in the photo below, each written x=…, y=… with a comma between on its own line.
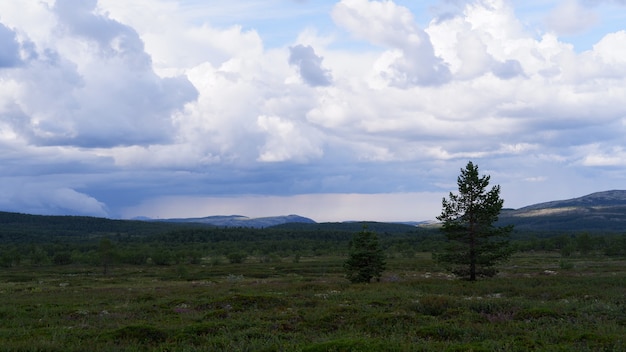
x=537, y=313
x=433, y=305
x=137, y=333
x=351, y=344
x=442, y=332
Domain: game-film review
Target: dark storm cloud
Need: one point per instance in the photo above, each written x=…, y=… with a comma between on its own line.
x=309, y=65
x=9, y=47
x=79, y=18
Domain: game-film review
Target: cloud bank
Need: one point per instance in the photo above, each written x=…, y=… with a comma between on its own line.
x=109, y=108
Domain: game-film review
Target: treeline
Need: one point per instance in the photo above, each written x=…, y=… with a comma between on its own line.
x=21, y=228
x=61, y=240
x=217, y=245
x=572, y=244
x=235, y=245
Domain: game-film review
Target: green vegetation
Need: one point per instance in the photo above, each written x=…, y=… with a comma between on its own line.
x=475, y=246
x=19, y=228
x=186, y=288
x=366, y=259
x=309, y=306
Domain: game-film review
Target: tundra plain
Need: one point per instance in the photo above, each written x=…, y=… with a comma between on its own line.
x=540, y=301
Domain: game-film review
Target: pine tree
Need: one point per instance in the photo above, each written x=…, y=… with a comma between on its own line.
x=367, y=260
x=474, y=245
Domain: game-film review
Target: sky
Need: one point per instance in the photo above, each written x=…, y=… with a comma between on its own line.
x=334, y=110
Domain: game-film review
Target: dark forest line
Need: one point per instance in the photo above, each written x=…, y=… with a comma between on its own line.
x=62, y=240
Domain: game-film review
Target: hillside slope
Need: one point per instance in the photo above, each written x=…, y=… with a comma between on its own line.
x=244, y=221
x=17, y=227
x=600, y=211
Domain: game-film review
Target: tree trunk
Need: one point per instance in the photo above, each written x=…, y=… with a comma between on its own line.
x=472, y=250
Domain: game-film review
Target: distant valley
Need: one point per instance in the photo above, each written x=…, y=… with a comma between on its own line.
x=597, y=212
x=600, y=211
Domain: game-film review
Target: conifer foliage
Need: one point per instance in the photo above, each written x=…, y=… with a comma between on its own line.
x=475, y=245
x=366, y=260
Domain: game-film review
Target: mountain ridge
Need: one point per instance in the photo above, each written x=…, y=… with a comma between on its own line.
x=604, y=198
x=242, y=221
x=605, y=211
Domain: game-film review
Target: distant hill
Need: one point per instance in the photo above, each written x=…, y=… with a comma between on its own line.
x=17, y=227
x=601, y=211
x=349, y=226
x=243, y=221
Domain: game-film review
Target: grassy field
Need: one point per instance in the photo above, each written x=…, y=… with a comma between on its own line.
x=538, y=302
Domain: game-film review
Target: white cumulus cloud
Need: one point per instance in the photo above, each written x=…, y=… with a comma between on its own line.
x=120, y=102
x=571, y=17
x=413, y=61
x=90, y=84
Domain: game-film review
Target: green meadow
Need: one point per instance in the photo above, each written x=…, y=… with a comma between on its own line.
x=540, y=301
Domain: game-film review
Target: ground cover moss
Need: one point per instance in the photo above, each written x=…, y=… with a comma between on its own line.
x=135, y=308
